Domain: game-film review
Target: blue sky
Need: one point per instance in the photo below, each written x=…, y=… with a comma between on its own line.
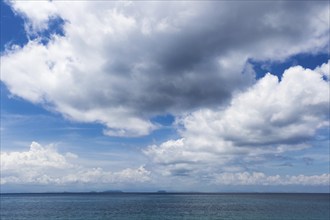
x=174, y=96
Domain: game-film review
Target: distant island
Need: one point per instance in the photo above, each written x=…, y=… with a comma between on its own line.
x=112, y=191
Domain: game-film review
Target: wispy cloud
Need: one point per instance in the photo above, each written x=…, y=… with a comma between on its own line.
x=258, y=178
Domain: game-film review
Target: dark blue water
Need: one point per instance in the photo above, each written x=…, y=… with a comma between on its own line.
x=164, y=206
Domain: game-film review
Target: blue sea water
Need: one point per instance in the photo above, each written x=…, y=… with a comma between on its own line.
x=164, y=206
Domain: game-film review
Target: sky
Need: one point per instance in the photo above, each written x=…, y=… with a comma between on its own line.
x=203, y=96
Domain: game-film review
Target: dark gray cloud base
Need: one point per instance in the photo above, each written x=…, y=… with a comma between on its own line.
x=129, y=62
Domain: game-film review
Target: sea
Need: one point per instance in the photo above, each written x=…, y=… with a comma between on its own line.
x=153, y=206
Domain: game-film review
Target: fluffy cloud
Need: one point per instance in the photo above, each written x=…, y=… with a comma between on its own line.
x=37, y=156
x=121, y=63
x=271, y=112
x=272, y=117
x=45, y=165
x=36, y=17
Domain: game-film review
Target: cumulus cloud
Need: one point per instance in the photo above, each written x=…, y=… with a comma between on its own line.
x=271, y=112
x=272, y=117
x=121, y=63
x=37, y=156
x=45, y=165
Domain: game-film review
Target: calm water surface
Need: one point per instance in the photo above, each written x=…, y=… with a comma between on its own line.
x=164, y=206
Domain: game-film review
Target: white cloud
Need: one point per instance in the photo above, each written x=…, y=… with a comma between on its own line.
x=271, y=117
x=36, y=17
x=324, y=70
x=272, y=111
x=37, y=156
x=120, y=64
x=99, y=176
x=259, y=178
x=45, y=165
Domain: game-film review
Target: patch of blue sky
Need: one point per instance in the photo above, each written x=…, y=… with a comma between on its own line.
x=164, y=120
x=17, y=105
x=12, y=28
x=277, y=68
x=22, y=120
x=44, y=128
x=55, y=27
